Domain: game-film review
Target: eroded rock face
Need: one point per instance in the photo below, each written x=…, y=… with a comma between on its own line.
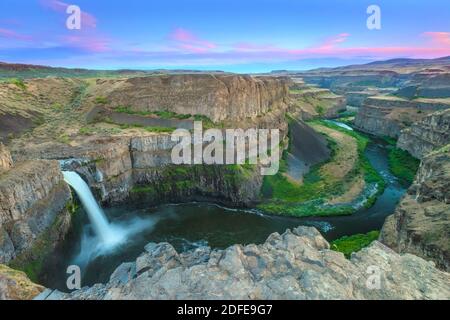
x=421, y=222
x=5, y=158
x=387, y=116
x=217, y=96
x=33, y=198
x=139, y=169
x=309, y=102
x=295, y=265
x=424, y=136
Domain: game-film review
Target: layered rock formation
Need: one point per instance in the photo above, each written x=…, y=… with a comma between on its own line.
x=139, y=169
x=310, y=102
x=424, y=136
x=421, y=223
x=217, y=96
x=295, y=265
x=33, y=198
x=388, y=115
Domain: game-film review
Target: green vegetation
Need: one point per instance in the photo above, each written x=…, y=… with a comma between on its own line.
x=161, y=114
x=284, y=197
x=101, y=100
x=64, y=138
x=403, y=165
x=349, y=244
x=86, y=131
x=390, y=141
x=19, y=83
x=183, y=180
x=148, y=129
x=320, y=110
x=31, y=261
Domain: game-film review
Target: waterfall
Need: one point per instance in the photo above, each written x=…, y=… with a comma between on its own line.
x=98, y=219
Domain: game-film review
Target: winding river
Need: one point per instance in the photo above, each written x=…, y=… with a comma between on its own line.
x=187, y=226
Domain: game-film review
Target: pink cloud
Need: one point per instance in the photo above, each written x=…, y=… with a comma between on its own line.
x=11, y=34
x=334, y=41
x=439, y=38
x=87, y=19
x=90, y=43
x=186, y=40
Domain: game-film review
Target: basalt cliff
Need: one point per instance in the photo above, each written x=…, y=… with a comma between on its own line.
x=433, y=132
x=421, y=223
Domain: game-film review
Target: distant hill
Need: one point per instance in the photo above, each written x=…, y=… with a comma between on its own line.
x=402, y=65
x=27, y=71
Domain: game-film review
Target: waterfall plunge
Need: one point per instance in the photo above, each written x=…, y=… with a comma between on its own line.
x=103, y=229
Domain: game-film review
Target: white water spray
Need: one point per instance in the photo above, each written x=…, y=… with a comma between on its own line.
x=102, y=228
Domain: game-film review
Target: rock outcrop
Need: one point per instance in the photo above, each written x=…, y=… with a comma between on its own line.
x=309, y=102
x=421, y=222
x=295, y=265
x=33, y=198
x=422, y=137
x=5, y=158
x=217, y=96
x=388, y=115
x=15, y=285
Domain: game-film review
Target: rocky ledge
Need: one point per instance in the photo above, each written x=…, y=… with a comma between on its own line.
x=424, y=136
x=421, y=222
x=217, y=96
x=295, y=265
x=389, y=115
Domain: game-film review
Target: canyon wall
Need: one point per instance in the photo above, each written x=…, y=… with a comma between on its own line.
x=296, y=265
x=388, y=115
x=421, y=222
x=217, y=96
x=33, y=198
x=424, y=136
x=139, y=169
x=308, y=102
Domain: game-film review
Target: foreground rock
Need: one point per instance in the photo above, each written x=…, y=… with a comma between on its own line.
x=421, y=223
x=295, y=265
x=423, y=137
x=15, y=285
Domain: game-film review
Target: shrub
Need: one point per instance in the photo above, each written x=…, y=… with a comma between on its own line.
x=349, y=244
x=101, y=100
x=403, y=165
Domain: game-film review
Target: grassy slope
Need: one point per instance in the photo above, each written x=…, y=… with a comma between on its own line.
x=349, y=244
x=286, y=198
x=403, y=165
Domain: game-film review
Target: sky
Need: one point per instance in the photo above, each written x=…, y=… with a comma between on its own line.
x=230, y=35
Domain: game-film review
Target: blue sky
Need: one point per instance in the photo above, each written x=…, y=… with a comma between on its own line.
x=240, y=36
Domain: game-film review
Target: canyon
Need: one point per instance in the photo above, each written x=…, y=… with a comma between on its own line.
x=115, y=132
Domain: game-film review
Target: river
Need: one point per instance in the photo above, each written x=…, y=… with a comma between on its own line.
x=187, y=226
